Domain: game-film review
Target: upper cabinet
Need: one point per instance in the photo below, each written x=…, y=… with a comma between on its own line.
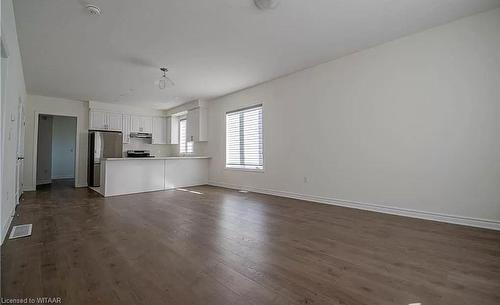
x=160, y=130
x=115, y=121
x=126, y=128
x=172, y=130
x=103, y=120
x=196, y=125
x=141, y=124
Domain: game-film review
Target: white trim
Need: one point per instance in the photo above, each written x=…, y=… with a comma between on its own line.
x=4, y=46
x=5, y=228
x=29, y=188
x=241, y=169
x=454, y=219
x=56, y=177
x=35, y=142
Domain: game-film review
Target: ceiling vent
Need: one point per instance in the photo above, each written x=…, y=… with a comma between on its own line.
x=266, y=4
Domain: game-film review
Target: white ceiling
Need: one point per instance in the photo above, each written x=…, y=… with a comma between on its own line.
x=212, y=47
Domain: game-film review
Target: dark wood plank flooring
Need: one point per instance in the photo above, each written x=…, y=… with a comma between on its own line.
x=224, y=247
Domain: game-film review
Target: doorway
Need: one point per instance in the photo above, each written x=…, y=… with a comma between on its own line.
x=56, y=150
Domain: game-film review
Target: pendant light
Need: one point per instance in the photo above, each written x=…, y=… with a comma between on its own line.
x=165, y=82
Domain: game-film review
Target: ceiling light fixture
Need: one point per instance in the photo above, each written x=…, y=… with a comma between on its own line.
x=93, y=10
x=164, y=80
x=266, y=4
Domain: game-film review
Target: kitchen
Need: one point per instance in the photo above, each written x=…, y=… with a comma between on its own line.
x=132, y=150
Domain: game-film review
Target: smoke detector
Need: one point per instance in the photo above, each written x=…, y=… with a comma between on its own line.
x=266, y=4
x=93, y=10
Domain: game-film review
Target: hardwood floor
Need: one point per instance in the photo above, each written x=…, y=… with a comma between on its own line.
x=220, y=247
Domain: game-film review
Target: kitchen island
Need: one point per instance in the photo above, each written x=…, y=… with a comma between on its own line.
x=120, y=176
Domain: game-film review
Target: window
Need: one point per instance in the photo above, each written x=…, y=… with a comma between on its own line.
x=244, y=139
x=185, y=147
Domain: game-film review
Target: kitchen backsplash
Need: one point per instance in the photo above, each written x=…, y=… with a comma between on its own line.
x=167, y=150
x=145, y=144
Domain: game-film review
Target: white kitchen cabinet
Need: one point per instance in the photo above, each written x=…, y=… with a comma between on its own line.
x=97, y=120
x=196, y=125
x=126, y=128
x=160, y=130
x=148, y=124
x=114, y=121
x=103, y=120
x=172, y=130
x=141, y=124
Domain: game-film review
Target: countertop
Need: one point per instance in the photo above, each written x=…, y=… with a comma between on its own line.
x=156, y=158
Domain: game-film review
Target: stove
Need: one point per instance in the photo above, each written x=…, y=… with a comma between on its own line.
x=139, y=154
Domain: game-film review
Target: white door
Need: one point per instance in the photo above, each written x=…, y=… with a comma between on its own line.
x=114, y=121
x=20, y=150
x=97, y=120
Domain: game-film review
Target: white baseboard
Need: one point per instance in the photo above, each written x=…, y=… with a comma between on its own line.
x=29, y=188
x=56, y=177
x=6, y=226
x=461, y=220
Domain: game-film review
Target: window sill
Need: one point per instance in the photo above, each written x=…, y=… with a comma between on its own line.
x=255, y=170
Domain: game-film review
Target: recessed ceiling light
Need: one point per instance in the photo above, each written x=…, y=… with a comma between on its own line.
x=93, y=10
x=266, y=4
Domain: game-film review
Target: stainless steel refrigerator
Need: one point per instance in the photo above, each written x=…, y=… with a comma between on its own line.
x=102, y=144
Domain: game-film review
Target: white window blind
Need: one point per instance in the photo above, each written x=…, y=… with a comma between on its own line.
x=185, y=147
x=244, y=147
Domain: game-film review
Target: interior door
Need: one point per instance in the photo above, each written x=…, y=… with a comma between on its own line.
x=21, y=122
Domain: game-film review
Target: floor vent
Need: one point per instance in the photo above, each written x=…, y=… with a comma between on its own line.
x=21, y=231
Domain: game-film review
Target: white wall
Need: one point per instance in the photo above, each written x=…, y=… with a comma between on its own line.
x=44, y=150
x=411, y=125
x=15, y=91
x=63, y=107
x=63, y=147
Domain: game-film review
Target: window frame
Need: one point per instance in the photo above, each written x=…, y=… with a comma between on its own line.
x=232, y=168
